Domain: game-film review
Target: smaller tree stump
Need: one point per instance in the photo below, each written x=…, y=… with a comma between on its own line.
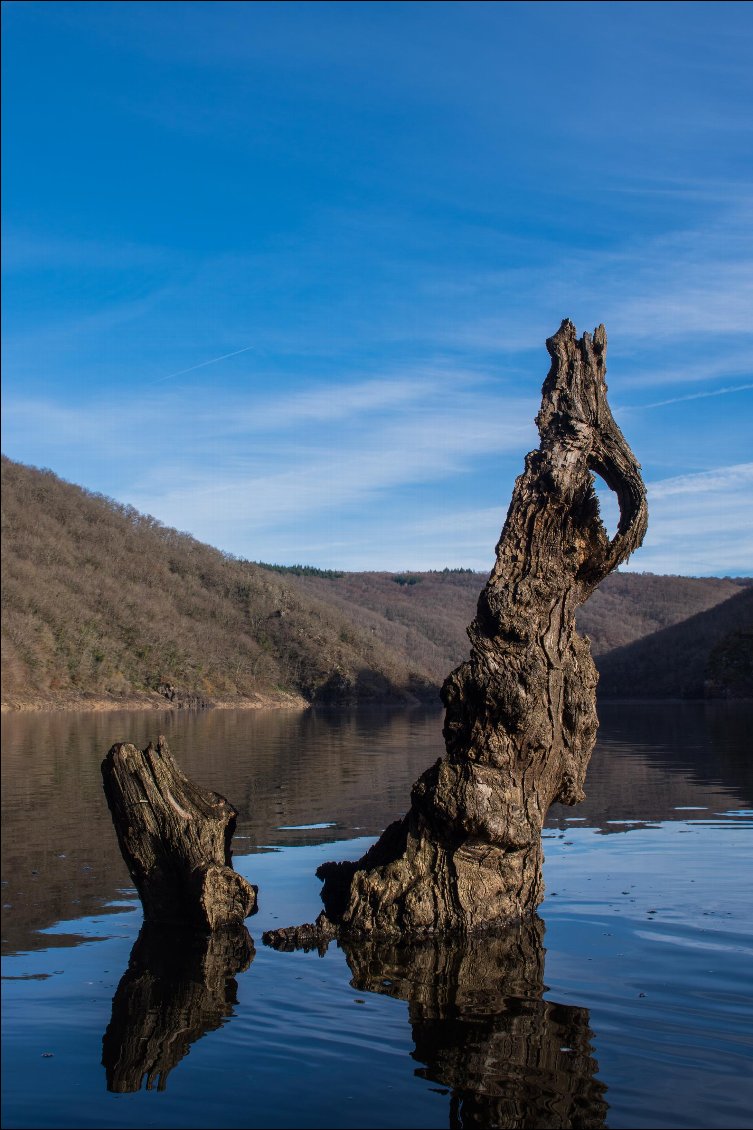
x=175, y=839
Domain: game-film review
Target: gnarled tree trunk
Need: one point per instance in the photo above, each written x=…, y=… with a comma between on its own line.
x=175, y=839
x=520, y=714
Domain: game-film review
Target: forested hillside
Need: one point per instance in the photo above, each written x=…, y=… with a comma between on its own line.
x=101, y=603
x=625, y=607
x=707, y=655
x=100, y=600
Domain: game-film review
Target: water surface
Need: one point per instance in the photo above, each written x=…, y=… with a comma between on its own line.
x=627, y=1004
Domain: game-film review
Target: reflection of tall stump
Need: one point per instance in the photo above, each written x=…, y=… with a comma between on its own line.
x=521, y=716
x=482, y=1028
x=175, y=839
x=177, y=987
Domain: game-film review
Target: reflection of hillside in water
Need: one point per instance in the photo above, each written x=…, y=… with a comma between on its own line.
x=652, y=759
x=353, y=769
x=60, y=856
x=177, y=987
x=482, y=1028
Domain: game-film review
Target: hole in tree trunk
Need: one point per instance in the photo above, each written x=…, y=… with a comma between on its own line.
x=609, y=507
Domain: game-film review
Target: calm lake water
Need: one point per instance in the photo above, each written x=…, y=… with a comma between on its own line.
x=627, y=1004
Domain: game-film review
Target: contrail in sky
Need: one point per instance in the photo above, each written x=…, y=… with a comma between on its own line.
x=212, y=361
x=698, y=395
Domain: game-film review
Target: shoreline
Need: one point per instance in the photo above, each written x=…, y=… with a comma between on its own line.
x=101, y=704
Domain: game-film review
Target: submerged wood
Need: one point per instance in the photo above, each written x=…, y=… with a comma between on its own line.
x=520, y=719
x=175, y=839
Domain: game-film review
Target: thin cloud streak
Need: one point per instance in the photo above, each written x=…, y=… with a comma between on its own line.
x=307, y=415
x=246, y=469
x=262, y=495
x=723, y=362
x=737, y=476
x=695, y=283
x=700, y=524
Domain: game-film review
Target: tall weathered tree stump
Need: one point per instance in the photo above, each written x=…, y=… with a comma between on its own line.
x=520, y=718
x=175, y=839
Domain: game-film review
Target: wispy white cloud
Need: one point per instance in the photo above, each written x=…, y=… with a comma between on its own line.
x=653, y=293
x=205, y=418
x=736, y=477
x=719, y=361
x=668, y=304
x=700, y=524
x=250, y=469
x=309, y=479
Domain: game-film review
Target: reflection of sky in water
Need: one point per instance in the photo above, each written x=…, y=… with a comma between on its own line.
x=647, y=957
x=305, y=827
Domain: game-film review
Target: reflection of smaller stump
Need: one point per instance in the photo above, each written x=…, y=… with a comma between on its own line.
x=175, y=839
x=177, y=988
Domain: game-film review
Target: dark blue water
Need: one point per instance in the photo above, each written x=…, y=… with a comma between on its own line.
x=627, y=1005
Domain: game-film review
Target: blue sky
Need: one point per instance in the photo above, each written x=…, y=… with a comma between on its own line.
x=281, y=274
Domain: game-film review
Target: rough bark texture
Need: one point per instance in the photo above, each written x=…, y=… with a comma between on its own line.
x=520, y=718
x=482, y=1028
x=175, y=990
x=175, y=839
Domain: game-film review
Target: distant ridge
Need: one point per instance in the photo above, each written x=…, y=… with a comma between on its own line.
x=104, y=607
x=709, y=655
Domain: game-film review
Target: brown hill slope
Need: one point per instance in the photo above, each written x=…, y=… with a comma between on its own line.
x=707, y=655
x=101, y=602
x=436, y=607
